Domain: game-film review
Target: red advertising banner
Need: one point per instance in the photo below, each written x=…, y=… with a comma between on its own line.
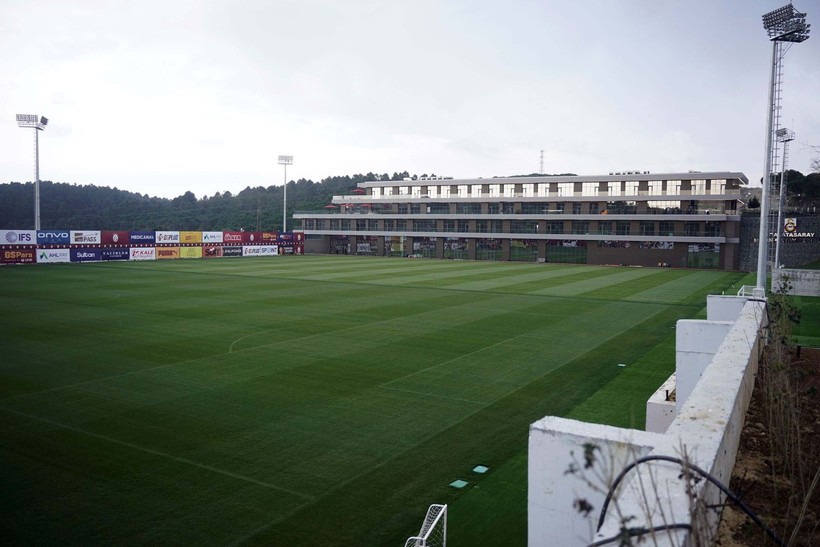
x=253, y=237
x=233, y=237
x=17, y=256
x=109, y=237
x=212, y=251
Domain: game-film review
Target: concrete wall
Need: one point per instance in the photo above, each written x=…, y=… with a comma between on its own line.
x=706, y=429
x=797, y=282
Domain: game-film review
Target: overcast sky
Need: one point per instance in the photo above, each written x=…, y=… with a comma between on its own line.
x=161, y=97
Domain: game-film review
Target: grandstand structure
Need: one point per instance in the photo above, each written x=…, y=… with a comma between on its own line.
x=638, y=218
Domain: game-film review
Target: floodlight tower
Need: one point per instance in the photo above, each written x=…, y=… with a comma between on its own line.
x=783, y=25
x=38, y=123
x=285, y=160
x=785, y=136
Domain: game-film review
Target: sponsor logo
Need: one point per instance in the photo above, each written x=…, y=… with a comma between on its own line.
x=231, y=251
x=135, y=236
x=147, y=253
x=52, y=237
x=85, y=255
x=53, y=255
x=167, y=237
x=114, y=254
x=268, y=236
x=115, y=238
x=232, y=237
x=18, y=237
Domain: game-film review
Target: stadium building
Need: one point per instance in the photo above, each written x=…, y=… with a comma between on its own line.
x=687, y=220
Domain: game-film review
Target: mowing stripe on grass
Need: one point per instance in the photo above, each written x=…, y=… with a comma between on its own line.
x=158, y=453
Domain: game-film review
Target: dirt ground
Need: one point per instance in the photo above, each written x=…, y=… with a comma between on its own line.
x=776, y=496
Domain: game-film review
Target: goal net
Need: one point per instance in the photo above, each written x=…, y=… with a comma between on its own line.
x=433, y=531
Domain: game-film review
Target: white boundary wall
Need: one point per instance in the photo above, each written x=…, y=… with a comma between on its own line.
x=803, y=282
x=706, y=423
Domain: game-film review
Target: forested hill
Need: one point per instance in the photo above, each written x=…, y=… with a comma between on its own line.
x=72, y=206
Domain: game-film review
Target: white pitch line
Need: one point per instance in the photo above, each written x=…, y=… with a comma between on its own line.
x=158, y=453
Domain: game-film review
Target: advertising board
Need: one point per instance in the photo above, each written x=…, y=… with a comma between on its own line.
x=115, y=237
x=259, y=250
x=211, y=237
x=18, y=237
x=231, y=251
x=84, y=237
x=233, y=237
x=51, y=256
x=268, y=237
x=190, y=237
x=253, y=237
x=53, y=237
x=143, y=237
x=120, y=253
x=190, y=252
x=167, y=253
x=85, y=255
x=142, y=253
x=167, y=238
x=212, y=251
x=17, y=256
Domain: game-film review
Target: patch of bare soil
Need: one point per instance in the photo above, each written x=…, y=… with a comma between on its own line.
x=763, y=476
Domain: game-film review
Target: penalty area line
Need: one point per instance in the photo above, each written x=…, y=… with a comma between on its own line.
x=159, y=453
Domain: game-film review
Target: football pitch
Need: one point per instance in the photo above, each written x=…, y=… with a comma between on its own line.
x=310, y=400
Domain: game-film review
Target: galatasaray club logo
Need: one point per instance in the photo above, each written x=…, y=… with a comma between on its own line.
x=790, y=226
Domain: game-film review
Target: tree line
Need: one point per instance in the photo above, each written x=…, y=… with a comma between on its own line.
x=90, y=207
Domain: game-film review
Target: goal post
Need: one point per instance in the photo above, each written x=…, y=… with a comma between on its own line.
x=433, y=531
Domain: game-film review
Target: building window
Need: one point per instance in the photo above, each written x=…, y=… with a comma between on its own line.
x=523, y=227
x=631, y=188
x=481, y=226
x=712, y=229
x=463, y=225
x=647, y=228
x=666, y=228
x=614, y=188
x=334, y=224
x=389, y=225
x=555, y=227
x=622, y=227
x=580, y=226
x=401, y=225
x=655, y=187
x=346, y=224
x=593, y=208
x=496, y=226
x=589, y=189
x=468, y=208
x=559, y=206
x=576, y=208
x=672, y=187
x=605, y=228
x=691, y=228
x=698, y=187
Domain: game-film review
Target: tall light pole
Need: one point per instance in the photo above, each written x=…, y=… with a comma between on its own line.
x=785, y=136
x=285, y=160
x=784, y=24
x=38, y=123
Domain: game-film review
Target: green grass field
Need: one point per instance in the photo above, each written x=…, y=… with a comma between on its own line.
x=310, y=400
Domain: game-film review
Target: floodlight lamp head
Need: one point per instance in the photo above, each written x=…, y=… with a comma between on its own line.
x=786, y=24
x=32, y=120
x=784, y=135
